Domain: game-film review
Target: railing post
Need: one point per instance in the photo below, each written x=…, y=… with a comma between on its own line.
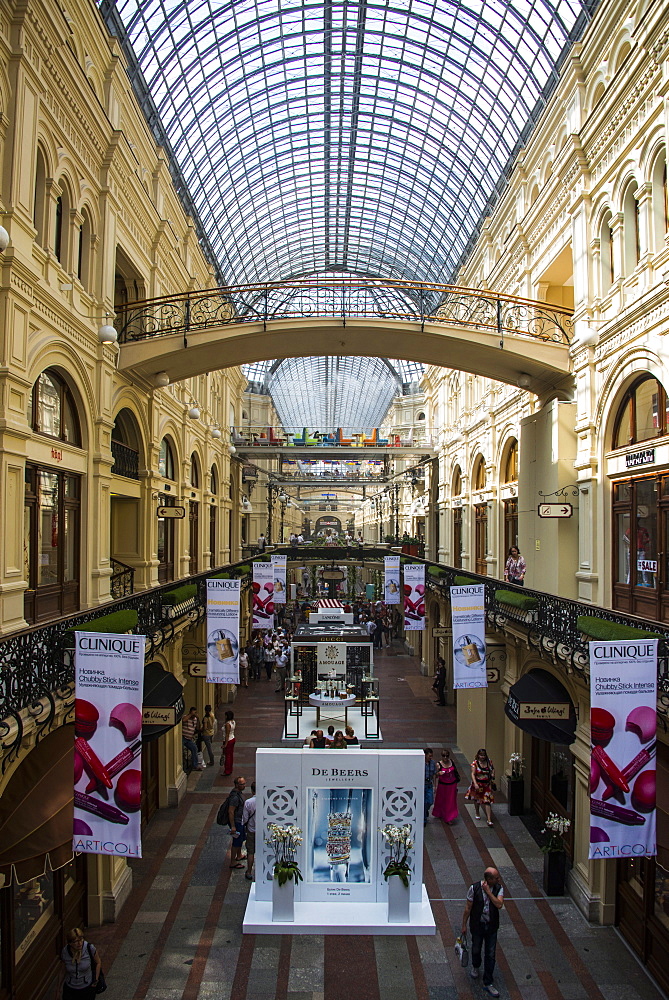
x=187, y=315
x=500, y=329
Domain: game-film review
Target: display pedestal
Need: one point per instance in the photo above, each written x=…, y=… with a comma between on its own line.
x=351, y=919
x=398, y=901
x=283, y=901
x=516, y=793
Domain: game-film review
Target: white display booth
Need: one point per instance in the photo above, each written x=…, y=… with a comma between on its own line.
x=340, y=799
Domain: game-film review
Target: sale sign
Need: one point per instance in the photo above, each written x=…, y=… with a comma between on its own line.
x=263, y=595
x=623, y=724
x=414, y=597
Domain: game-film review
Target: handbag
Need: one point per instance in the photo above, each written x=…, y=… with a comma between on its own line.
x=101, y=984
x=493, y=785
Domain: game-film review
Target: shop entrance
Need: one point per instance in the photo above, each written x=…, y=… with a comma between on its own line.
x=640, y=538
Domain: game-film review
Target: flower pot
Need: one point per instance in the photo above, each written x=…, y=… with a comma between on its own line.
x=283, y=901
x=555, y=870
x=516, y=794
x=398, y=900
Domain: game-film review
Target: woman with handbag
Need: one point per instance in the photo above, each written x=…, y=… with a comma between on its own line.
x=446, y=799
x=83, y=977
x=480, y=792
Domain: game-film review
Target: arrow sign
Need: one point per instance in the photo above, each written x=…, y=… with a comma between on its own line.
x=555, y=510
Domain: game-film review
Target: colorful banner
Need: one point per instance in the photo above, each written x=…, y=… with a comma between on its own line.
x=468, y=625
x=279, y=566
x=391, y=586
x=109, y=678
x=223, y=631
x=623, y=723
x=263, y=595
x=414, y=597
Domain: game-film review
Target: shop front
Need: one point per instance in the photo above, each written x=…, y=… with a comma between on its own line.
x=163, y=708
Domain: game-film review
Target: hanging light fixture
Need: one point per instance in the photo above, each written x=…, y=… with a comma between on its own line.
x=194, y=412
x=107, y=334
x=215, y=433
x=161, y=379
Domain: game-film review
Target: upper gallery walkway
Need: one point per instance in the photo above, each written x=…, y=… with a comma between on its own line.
x=179, y=936
x=513, y=340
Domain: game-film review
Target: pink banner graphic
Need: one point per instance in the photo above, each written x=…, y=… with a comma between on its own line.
x=263, y=595
x=414, y=597
x=109, y=675
x=623, y=723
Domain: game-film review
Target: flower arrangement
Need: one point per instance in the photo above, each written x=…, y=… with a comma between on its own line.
x=517, y=763
x=400, y=842
x=556, y=826
x=284, y=841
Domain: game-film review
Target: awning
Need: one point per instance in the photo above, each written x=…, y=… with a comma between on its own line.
x=540, y=705
x=161, y=691
x=36, y=810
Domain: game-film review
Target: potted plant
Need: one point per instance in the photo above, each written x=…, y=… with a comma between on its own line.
x=398, y=871
x=555, y=858
x=284, y=841
x=516, y=785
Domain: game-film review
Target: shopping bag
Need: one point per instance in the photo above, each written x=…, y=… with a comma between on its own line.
x=462, y=951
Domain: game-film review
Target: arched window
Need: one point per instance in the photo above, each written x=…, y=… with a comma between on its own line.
x=58, y=231
x=642, y=414
x=511, y=464
x=607, y=271
x=479, y=473
x=194, y=472
x=660, y=203
x=213, y=481
x=420, y=416
x=166, y=464
x=631, y=232
x=457, y=481
x=84, y=250
x=52, y=409
x=40, y=198
x=125, y=443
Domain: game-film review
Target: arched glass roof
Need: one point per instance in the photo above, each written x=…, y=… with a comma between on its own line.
x=359, y=137
x=326, y=393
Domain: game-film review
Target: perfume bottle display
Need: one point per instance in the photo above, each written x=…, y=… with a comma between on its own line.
x=339, y=835
x=222, y=646
x=469, y=650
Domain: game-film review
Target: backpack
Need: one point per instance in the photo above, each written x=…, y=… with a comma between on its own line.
x=223, y=814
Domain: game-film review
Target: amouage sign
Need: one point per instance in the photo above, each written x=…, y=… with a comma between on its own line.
x=159, y=717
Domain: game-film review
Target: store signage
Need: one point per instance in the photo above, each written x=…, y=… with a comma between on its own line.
x=332, y=574
x=468, y=625
x=457, y=503
x=555, y=510
x=646, y=565
x=331, y=656
x=197, y=669
x=153, y=716
x=637, y=458
x=57, y=454
x=543, y=712
x=176, y=512
x=223, y=598
x=440, y=630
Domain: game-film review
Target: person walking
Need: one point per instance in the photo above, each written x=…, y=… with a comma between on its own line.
x=484, y=901
x=81, y=967
x=228, y=754
x=235, y=812
x=257, y=659
x=249, y=824
x=208, y=731
x=270, y=660
x=446, y=797
x=430, y=772
x=515, y=567
x=439, y=686
x=244, y=668
x=190, y=727
x=282, y=668
x=482, y=786
x=262, y=543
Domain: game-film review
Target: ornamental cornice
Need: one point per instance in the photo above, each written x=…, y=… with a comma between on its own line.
x=613, y=123
x=63, y=324
x=612, y=343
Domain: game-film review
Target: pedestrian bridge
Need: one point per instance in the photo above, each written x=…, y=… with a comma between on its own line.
x=514, y=340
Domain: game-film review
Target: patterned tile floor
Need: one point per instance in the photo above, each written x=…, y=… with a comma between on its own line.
x=179, y=937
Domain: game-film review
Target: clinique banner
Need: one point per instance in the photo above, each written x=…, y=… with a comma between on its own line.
x=279, y=566
x=391, y=584
x=468, y=624
x=223, y=631
x=414, y=597
x=623, y=723
x=263, y=595
x=109, y=674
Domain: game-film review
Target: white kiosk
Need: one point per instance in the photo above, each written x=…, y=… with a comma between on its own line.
x=339, y=799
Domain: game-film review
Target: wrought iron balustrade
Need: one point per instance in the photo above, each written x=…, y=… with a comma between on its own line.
x=126, y=460
x=476, y=309
x=122, y=582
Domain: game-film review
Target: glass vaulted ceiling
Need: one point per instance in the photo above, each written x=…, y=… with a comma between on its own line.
x=359, y=138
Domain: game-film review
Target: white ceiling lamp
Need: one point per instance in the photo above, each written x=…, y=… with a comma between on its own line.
x=161, y=379
x=524, y=380
x=215, y=433
x=246, y=505
x=107, y=334
x=194, y=412
x=4, y=239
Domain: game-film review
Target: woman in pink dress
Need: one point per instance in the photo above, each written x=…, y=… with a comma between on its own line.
x=446, y=798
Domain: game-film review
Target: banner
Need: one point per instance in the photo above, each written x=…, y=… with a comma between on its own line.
x=623, y=723
x=414, y=597
x=279, y=566
x=263, y=595
x=109, y=679
x=391, y=586
x=468, y=624
x=223, y=631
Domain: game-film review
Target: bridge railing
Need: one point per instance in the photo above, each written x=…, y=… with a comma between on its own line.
x=476, y=309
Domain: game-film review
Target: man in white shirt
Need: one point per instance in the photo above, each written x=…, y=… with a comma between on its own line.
x=249, y=823
x=282, y=668
x=484, y=901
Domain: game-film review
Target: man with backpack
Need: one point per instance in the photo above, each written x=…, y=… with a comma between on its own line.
x=230, y=814
x=484, y=901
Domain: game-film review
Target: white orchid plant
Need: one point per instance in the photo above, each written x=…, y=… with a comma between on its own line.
x=517, y=764
x=555, y=826
x=399, y=841
x=284, y=841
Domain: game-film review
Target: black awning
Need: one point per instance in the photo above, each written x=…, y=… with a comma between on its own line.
x=161, y=690
x=36, y=810
x=541, y=706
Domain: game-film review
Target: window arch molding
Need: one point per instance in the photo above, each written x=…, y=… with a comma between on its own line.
x=478, y=473
x=195, y=471
x=509, y=464
x=40, y=195
x=62, y=227
x=456, y=482
x=54, y=409
x=607, y=264
x=641, y=412
x=168, y=460
x=631, y=236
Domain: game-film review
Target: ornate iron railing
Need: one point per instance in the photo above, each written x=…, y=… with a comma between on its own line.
x=122, y=582
x=474, y=308
x=126, y=460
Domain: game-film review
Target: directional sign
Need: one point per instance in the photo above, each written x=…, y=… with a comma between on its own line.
x=441, y=630
x=197, y=669
x=171, y=512
x=555, y=510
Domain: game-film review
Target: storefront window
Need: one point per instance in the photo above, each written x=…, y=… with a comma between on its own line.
x=661, y=906
x=645, y=535
x=33, y=905
x=51, y=528
x=561, y=774
x=642, y=414
x=52, y=410
x=47, y=567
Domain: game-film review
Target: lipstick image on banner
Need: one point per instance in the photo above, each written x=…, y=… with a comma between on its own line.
x=91, y=759
x=99, y=808
x=117, y=763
